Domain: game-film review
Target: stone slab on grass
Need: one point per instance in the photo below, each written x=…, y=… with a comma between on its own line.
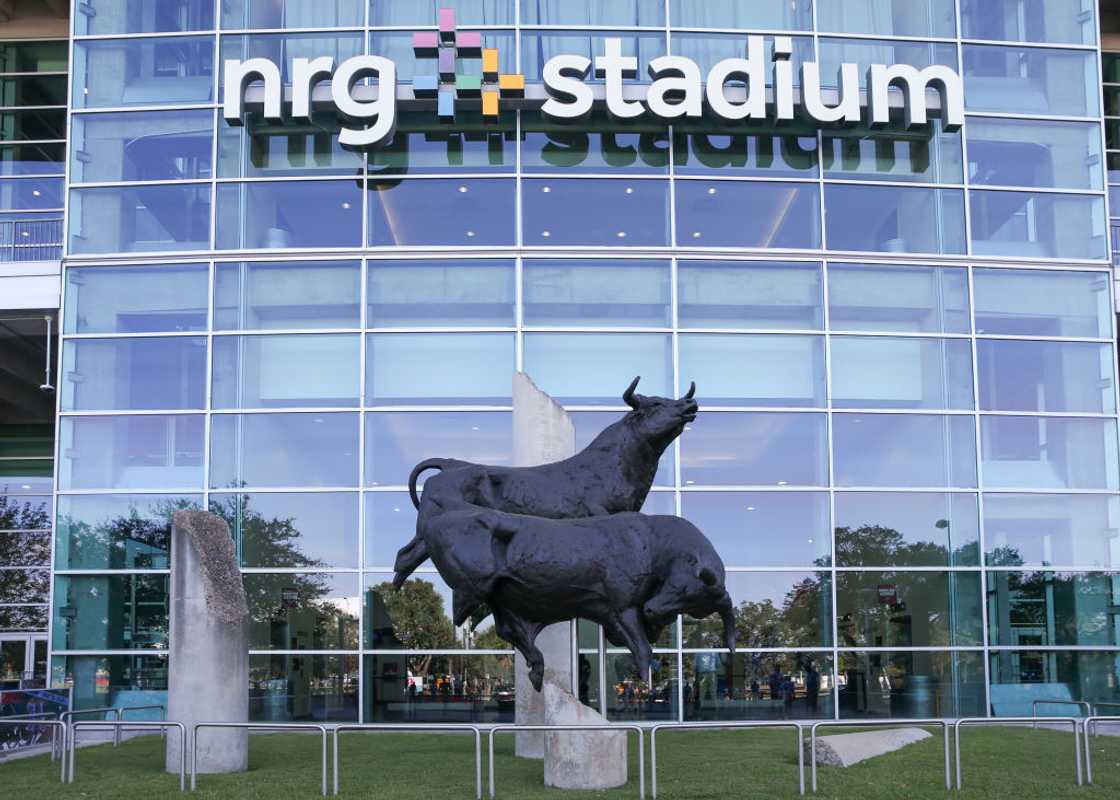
x=846, y=749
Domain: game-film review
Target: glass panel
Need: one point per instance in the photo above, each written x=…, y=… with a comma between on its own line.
x=1051, y=529
x=303, y=688
x=607, y=363
x=293, y=13
x=627, y=13
x=143, y=72
x=1049, y=453
x=763, y=529
x=259, y=148
x=1111, y=67
x=134, y=374
x=19, y=549
x=100, y=681
x=283, y=48
x=287, y=296
x=318, y=371
x=425, y=12
x=915, y=18
x=110, y=612
x=32, y=159
x=281, y=450
x=287, y=214
x=1070, y=21
x=117, y=531
x=772, y=610
x=630, y=696
x=31, y=194
x=1036, y=303
x=137, y=219
x=32, y=124
x=599, y=144
x=904, y=450
x=713, y=146
x=1033, y=609
x=441, y=294
x=873, y=297
x=623, y=294
x=148, y=452
x=911, y=685
x=760, y=449
x=757, y=686
x=141, y=16
x=925, y=155
x=169, y=298
x=764, y=215
x=418, y=616
x=20, y=586
x=1015, y=152
x=537, y=47
x=908, y=609
x=397, y=46
x=926, y=529
x=439, y=368
x=1046, y=376
x=589, y=424
x=834, y=52
x=398, y=441
x=749, y=294
x=33, y=475
x=470, y=143
x=1029, y=224
x=304, y=611
x=888, y=372
x=24, y=512
x=609, y=213
x=312, y=530
x=762, y=15
x=890, y=219
x=1021, y=676
x=751, y=370
x=390, y=525
x=23, y=618
x=1024, y=80
x=441, y=213
x=33, y=56
x=439, y=688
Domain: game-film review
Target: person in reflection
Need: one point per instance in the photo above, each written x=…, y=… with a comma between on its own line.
x=789, y=691
x=812, y=687
x=775, y=684
x=756, y=689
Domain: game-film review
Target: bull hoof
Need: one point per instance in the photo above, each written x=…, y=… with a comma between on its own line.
x=536, y=675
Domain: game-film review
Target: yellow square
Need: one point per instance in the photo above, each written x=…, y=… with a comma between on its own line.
x=489, y=104
x=490, y=61
x=511, y=84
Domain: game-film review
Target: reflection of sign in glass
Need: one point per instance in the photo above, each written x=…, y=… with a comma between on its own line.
x=289, y=597
x=888, y=594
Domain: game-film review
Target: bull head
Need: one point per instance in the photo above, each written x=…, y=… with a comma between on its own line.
x=659, y=419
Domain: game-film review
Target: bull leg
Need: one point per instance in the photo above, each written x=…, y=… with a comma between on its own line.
x=463, y=605
x=629, y=628
x=522, y=634
x=411, y=556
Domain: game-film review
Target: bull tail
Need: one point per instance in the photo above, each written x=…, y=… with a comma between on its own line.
x=727, y=614
x=432, y=463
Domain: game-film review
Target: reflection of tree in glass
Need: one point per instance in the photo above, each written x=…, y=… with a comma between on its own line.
x=761, y=624
x=25, y=516
x=878, y=546
x=418, y=618
x=107, y=544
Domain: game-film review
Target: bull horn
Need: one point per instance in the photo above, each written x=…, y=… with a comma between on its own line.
x=691, y=391
x=628, y=396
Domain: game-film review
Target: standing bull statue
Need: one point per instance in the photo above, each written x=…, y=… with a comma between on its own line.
x=611, y=475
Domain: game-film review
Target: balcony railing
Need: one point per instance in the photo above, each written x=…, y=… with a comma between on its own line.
x=30, y=240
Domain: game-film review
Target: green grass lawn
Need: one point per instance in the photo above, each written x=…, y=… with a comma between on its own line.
x=999, y=763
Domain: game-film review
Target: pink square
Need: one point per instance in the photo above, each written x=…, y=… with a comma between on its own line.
x=446, y=20
x=425, y=40
x=470, y=40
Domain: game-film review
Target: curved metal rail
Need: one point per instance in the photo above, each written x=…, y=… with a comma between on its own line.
x=877, y=723
x=417, y=728
x=74, y=727
x=257, y=726
x=1073, y=721
x=49, y=723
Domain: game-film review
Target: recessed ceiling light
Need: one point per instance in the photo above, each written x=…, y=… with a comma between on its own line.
x=546, y=234
x=810, y=541
x=470, y=234
x=622, y=234
x=750, y=508
x=783, y=483
x=346, y=206
x=25, y=233
x=462, y=190
x=696, y=234
x=36, y=192
x=712, y=190
x=474, y=428
x=396, y=511
x=546, y=189
x=629, y=190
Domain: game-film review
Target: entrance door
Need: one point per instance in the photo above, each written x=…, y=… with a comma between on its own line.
x=23, y=661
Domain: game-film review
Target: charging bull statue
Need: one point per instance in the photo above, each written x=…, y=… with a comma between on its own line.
x=631, y=573
x=611, y=475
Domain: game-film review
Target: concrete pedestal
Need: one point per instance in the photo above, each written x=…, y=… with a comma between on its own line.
x=580, y=760
x=542, y=433
x=208, y=679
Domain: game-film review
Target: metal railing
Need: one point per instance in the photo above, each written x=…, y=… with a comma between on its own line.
x=894, y=723
x=30, y=240
x=51, y=723
x=1074, y=721
x=74, y=727
x=68, y=716
x=258, y=726
x=1083, y=705
x=572, y=728
x=1098, y=706
x=1086, y=726
x=420, y=728
x=684, y=726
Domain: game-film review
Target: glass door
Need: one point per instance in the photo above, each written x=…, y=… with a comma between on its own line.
x=13, y=660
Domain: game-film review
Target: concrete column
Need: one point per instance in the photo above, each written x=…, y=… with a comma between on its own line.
x=208, y=675
x=542, y=433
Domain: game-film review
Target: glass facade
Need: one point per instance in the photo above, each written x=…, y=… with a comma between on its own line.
x=903, y=343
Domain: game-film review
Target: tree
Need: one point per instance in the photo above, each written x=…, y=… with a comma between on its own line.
x=416, y=616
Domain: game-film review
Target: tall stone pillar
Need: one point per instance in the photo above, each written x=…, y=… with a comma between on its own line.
x=208, y=678
x=542, y=433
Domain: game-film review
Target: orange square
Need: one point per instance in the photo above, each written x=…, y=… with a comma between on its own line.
x=511, y=84
x=490, y=62
x=489, y=104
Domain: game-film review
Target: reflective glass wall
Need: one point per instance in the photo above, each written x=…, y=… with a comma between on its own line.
x=903, y=342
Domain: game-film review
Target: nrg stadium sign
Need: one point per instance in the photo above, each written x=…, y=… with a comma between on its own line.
x=734, y=89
